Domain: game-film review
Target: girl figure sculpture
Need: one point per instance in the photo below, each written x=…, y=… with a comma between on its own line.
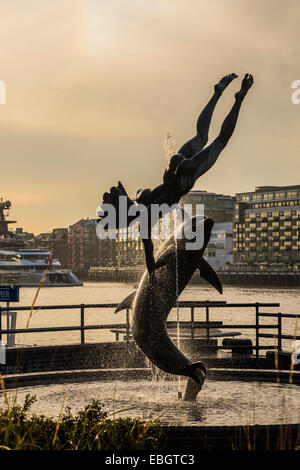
x=185, y=167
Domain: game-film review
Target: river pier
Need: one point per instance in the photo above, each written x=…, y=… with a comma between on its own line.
x=239, y=278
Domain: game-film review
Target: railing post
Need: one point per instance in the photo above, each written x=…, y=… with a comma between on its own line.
x=127, y=325
x=207, y=320
x=192, y=322
x=279, y=345
x=82, y=322
x=257, y=329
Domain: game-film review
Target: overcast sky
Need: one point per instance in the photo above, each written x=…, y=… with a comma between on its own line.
x=93, y=87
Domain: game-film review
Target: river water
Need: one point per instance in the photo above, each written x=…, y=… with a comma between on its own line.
x=97, y=293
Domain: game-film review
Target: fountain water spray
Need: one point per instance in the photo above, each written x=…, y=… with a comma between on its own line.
x=177, y=306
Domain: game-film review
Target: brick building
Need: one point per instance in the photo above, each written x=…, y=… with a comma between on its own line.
x=86, y=249
x=55, y=241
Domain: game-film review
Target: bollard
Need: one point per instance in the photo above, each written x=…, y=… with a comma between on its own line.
x=11, y=325
x=2, y=353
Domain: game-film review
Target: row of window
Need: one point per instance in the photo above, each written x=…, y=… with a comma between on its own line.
x=265, y=243
x=274, y=225
x=288, y=213
x=264, y=196
x=294, y=249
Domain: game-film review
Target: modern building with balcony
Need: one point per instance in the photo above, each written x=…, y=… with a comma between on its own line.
x=266, y=226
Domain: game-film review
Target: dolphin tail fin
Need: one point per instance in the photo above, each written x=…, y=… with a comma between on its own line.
x=197, y=371
x=197, y=365
x=210, y=275
x=126, y=303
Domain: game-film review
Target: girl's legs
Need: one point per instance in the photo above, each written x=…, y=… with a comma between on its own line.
x=197, y=143
x=204, y=160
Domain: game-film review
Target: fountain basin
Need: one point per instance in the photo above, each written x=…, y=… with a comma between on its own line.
x=235, y=408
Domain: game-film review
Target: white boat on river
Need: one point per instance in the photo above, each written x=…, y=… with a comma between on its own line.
x=24, y=266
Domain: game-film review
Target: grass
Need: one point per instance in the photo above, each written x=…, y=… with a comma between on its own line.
x=88, y=429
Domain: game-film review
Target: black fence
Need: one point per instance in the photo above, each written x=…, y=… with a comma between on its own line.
x=187, y=328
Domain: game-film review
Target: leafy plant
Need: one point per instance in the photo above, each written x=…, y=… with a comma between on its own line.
x=89, y=429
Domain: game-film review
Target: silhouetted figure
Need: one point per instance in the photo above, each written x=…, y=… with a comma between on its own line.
x=191, y=161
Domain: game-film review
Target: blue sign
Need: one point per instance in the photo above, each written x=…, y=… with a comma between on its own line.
x=9, y=294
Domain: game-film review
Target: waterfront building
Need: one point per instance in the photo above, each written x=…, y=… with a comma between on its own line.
x=219, y=252
x=266, y=226
x=86, y=249
x=219, y=207
x=130, y=250
x=56, y=242
x=27, y=237
x=129, y=247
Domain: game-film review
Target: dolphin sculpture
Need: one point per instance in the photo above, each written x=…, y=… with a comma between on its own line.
x=155, y=297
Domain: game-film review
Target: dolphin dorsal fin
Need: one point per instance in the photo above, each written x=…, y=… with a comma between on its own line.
x=126, y=303
x=209, y=274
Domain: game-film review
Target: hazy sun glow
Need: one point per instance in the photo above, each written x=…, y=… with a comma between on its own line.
x=94, y=87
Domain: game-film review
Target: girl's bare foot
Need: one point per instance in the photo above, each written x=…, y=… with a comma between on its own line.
x=224, y=82
x=246, y=84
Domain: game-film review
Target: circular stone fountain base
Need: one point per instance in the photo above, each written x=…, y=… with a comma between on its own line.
x=218, y=403
x=228, y=414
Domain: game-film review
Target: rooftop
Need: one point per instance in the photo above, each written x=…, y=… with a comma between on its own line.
x=264, y=189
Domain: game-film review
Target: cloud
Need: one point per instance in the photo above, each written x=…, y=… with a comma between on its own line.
x=94, y=87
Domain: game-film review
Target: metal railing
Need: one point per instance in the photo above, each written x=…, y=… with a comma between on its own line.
x=191, y=325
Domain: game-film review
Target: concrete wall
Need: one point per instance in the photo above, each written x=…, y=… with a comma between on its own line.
x=70, y=357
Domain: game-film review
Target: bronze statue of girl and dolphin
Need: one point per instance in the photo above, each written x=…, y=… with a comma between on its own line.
x=155, y=297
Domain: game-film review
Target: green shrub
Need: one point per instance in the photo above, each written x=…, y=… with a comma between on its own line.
x=89, y=429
